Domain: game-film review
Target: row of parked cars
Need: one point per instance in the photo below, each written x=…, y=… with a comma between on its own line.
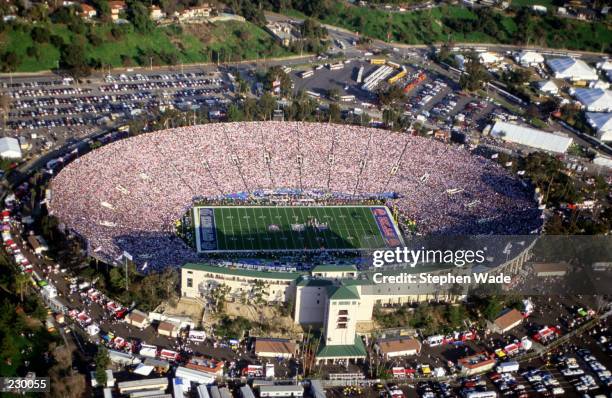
x=587, y=374
x=158, y=85
x=543, y=382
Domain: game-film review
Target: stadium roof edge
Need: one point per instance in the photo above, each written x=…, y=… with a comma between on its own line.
x=288, y=276
x=334, y=268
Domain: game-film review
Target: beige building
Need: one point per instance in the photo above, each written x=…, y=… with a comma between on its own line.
x=116, y=8
x=88, y=12
x=199, y=280
x=506, y=322
x=398, y=347
x=275, y=348
x=197, y=12
x=156, y=13
x=137, y=318
x=168, y=329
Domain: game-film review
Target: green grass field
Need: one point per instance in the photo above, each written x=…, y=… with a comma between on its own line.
x=263, y=228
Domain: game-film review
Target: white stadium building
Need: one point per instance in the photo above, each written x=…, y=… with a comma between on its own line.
x=514, y=133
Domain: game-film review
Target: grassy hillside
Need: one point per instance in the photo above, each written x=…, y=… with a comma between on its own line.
x=461, y=24
x=106, y=44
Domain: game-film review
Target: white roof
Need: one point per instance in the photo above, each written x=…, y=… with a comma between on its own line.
x=603, y=161
x=570, y=68
x=531, y=137
x=488, y=57
x=548, y=86
x=594, y=99
x=9, y=148
x=602, y=123
x=194, y=375
x=529, y=57
x=143, y=370
x=599, y=84
x=605, y=65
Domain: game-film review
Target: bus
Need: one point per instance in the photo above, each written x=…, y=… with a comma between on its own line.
x=398, y=76
x=337, y=66
x=377, y=61
x=347, y=98
x=306, y=73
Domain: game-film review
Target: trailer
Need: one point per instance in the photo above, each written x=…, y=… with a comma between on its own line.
x=246, y=392
x=506, y=367
x=281, y=391
x=359, y=74
x=203, y=391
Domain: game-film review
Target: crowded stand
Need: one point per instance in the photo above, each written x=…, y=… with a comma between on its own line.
x=139, y=187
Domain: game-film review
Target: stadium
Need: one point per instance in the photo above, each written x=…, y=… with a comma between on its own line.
x=172, y=196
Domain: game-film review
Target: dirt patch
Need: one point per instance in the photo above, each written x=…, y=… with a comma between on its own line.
x=281, y=326
x=185, y=307
x=202, y=31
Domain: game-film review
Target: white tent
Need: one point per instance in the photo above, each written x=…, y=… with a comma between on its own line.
x=599, y=84
x=572, y=69
x=531, y=137
x=601, y=123
x=548, y=87
x=594, y=99
x=9, y=148
x=488, y=58
x=93, y=329
x=603, y=161
x=529, y=58
x=604, y=65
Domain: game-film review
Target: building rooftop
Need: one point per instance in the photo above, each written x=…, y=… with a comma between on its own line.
x=508, y=319
x=334, y=268
x=342, y=293
x=356, y=350
x=288, y=276
x=399, y=344
x=314, y=282
x=531, y=137
x=279, y=346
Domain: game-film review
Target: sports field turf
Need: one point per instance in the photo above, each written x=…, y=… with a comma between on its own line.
x=273, y=228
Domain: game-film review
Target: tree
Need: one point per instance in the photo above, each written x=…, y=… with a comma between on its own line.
x=475, y=75
x=265, y=106
x=335, y=114
x=138, y=15
x=259, y=292
x=22, y=282
x=102, y=361
x=234, y=113
x=9, y=62
x=117, y=278
x=72, y=58
x=40, y=35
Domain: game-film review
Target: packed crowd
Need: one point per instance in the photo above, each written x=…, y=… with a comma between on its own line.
x=138, y=187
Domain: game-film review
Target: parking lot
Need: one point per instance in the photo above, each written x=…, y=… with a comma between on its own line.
x=49, y=111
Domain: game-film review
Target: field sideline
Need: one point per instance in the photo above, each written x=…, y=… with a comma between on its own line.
x=294, y=228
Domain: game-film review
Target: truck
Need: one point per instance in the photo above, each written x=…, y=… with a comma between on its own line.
x=506, y=367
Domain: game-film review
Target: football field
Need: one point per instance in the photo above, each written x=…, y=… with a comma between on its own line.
x=285, y=228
